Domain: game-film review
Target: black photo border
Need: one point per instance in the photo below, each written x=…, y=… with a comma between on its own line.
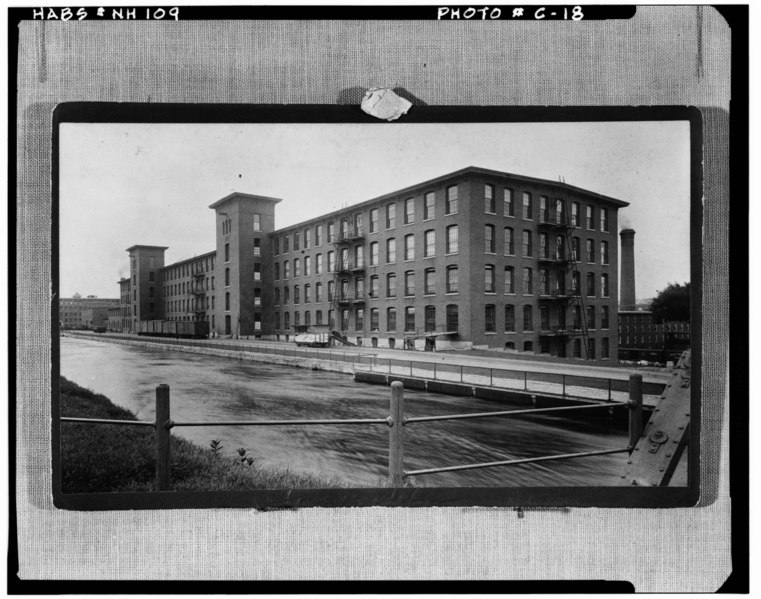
x=600, y=497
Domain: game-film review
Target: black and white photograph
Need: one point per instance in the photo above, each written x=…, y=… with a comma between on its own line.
x=411, y=299
x=374, y=305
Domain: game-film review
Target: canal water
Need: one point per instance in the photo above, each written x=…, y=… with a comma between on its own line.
x=208, y=388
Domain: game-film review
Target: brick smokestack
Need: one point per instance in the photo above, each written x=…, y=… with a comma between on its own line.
x=628, y=296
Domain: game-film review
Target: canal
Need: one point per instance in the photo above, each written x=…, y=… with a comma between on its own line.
x=208, y=388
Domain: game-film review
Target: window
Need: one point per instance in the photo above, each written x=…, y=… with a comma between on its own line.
x=509, y=318
x=318, y=292
x=590, y=284
x=509, y=280
x=318, y=317
x=331, y=232
x=526, y=205
x=489, y=278
x=409, y=211
x=374, y=319
x=604, y=259
x=390, y=250
x=605, y=349
x=359, y=256
x=374, y=287
x=576, y=283
x=318, y=235
x=559, y=247
x=286, y=269
x=604, y=223
x=295, y=241
x=577, y=318
x=575, y=220
x=544, y=281
x=227, y=300
x=257, y=222
x=318, y=264
x=374, y=253
x=373, y=220
x=528, y=318
x=575, y=249
x=591, y=349
x=390, y=216
x=430, y=319
x=286, y=295
x=151, y=275
x=577, y=348
x=307, y=266
x=453, y=279
x=359, y=288
x=257, y=272
x=604, y=291
x=543, y=253
x=277, y=321
x=528, y=281
x=331, y=291
x=452, y=239
x=452, y=200
x=490, y=324
x=591, y=317
x=560, y=212
x=509, y=242
x=151, y=292
x=429, y=209
x=590, y=217
x=227, y=252
x=296, y=267
x=544, y=318
x=429, y=249
x=409, y=247
x=296, y=294
x=257, y=247
x=527, y=245
x=344, y=228
x=307, y=318
x=344, y=320
x=359, y=319
x=331, y=261
x=409, y=319
x=344, y=289
x=344, y=264
x=358, y=223
x=489, y=241
x=509, y=207
x=391, y=285
x=428, y=281
x=227, y=277
x=560, y=282
x=307, y=294
x=489, y=204
x=391, y=319
x=452, y=318
x=590, y=250
x=604, y=317
x=409, y=283
x=543, y=210
x=307, y=238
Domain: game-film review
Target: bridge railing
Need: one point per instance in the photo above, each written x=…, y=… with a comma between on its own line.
x=396, y=421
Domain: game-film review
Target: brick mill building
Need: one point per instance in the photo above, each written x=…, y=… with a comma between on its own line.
x=473, y=258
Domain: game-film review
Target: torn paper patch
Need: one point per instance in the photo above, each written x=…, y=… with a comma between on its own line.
x=383, y=103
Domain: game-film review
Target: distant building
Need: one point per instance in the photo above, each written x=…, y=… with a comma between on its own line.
x=71, y=309
x=95, y=317
x=640, y=338
x=474, y=258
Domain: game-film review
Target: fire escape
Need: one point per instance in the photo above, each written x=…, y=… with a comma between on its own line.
x=349, y=269
x=197, y=292
x=560, y=260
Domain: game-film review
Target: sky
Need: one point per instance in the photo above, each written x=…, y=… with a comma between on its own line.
x=123, y=184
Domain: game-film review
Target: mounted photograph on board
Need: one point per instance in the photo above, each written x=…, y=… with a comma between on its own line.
x=304, y=306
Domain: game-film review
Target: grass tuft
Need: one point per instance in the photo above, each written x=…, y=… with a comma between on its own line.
x=102, y=458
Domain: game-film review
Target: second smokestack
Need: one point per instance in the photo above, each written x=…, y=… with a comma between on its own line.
x=628, y=295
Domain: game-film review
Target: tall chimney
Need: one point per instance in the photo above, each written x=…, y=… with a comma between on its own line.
x=628, y=296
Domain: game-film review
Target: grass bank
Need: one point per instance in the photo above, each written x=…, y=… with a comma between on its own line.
x=102, y=458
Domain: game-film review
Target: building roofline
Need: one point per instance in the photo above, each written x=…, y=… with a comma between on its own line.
x=199, y=257
x=246, y=196
x=147, y=247
x=463, y=171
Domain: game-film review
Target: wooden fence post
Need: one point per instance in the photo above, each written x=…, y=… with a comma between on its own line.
x=163, y=436
x=396, y=436
x=635, y=409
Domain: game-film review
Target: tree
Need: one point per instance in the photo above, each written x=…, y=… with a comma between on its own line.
x=672, y=303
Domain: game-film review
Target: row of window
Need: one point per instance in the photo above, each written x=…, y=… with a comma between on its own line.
x=451, y=324
x=549, y=210
x=172, y=273
x=548, y=285
x=227, y=224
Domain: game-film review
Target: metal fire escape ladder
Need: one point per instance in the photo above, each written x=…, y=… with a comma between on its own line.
x=576, y=298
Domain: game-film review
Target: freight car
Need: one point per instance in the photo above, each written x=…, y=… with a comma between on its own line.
x=174, y=328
